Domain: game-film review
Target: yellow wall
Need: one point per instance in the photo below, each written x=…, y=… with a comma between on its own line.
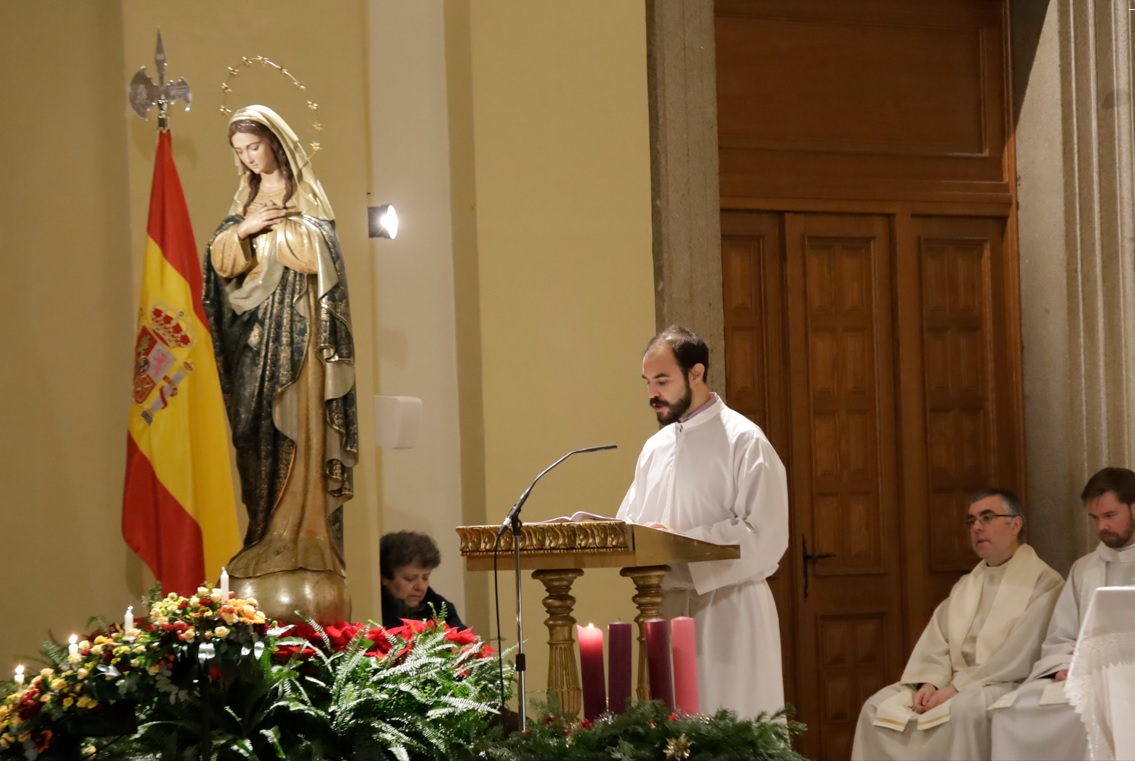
x=560, y=179
x=67, y=321
x=516, y=304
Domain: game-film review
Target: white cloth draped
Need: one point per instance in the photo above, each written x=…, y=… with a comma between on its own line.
x=716, y=477
x=1101, y=680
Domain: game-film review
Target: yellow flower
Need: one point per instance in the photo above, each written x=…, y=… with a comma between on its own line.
x=47, y=673
x=87, y=702
x=189, y=635
x=68, y=702
x=4, y=711
x=215, y=595
x=45, y=698
x=222, y=631
x=139, y=649
x=82, y=673
x=202, y=591
x=154, y=669
x=58, y=684
x=96, y=650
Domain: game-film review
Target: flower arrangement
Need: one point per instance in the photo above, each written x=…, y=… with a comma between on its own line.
x=207, y=676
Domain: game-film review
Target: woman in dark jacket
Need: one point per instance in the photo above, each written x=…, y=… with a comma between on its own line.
x=406, y=559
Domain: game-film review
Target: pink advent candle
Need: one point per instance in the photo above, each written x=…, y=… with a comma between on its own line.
x=684, y=647
x=591, y=671
x=619, y=643
x=658, y=660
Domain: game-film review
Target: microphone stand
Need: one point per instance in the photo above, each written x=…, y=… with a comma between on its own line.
x=521, y=664
x=513, y=521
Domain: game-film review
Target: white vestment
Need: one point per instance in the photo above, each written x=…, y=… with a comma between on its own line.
x=981, y=640
x=716, y=477
x=1037, y=721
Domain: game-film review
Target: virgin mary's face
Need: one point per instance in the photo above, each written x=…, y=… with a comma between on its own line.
x=255, y=152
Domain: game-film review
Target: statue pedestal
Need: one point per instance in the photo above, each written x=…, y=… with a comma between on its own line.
x=320, y=595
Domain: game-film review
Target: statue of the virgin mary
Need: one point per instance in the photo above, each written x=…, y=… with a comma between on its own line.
x=276, y=299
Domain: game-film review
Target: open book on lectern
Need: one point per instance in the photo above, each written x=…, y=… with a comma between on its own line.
x=579, y=516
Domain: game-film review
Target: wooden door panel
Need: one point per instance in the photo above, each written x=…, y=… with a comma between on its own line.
x=959, y=364
x=887, y=99
x=756, y=372
x=843, y=480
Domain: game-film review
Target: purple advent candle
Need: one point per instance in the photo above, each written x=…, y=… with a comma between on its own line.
x=619, y=666
x=658, y=660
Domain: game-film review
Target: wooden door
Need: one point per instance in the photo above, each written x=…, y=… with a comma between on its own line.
x=871, y=311
x=844, y=474
x=877, y=353
x=809, y=304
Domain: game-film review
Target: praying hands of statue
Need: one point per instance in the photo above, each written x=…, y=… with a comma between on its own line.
x=261, y=217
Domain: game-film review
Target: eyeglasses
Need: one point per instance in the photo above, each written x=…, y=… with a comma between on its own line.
x=987, y=518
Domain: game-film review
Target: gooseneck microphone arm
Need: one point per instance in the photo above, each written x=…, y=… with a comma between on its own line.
x=514, y=513
x=513, y=520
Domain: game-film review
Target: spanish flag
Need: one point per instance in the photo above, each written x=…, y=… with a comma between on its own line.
x=178, y=511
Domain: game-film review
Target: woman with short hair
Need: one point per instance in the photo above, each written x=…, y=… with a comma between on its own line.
x=406, y=559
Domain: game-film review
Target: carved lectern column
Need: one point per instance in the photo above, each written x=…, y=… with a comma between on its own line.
x=563, y=673
x=648, y=599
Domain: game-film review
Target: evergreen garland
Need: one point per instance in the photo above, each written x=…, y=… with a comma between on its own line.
x=649, y=731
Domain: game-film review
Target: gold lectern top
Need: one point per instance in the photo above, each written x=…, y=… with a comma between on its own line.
x=586, y=544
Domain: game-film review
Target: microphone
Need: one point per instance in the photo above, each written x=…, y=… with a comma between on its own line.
x=515, y=511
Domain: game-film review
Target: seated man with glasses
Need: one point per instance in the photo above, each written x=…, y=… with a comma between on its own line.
x=1037, y=722
x=980, y=643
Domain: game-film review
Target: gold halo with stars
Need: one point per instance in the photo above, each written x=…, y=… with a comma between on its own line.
x=247, y=62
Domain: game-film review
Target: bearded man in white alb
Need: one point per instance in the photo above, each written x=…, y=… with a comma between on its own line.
x=710, y=473
x=1037, y=722
x=980, y=642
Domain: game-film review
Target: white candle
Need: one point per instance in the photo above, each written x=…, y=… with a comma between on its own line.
x=20, y=675
x=224, y=584
x=128, y=623
x=73, y=648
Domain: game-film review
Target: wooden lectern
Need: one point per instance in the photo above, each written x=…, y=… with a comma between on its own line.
x=557, y=553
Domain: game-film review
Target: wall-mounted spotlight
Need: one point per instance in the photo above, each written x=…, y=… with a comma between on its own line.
x=383, y=221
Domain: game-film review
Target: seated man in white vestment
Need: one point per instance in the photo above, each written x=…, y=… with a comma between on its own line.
x=980, y=642
x=711, y=474
x=1036, y=721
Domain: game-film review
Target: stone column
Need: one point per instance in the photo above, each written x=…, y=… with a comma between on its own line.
x=1072, y=67
x=682, y=80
